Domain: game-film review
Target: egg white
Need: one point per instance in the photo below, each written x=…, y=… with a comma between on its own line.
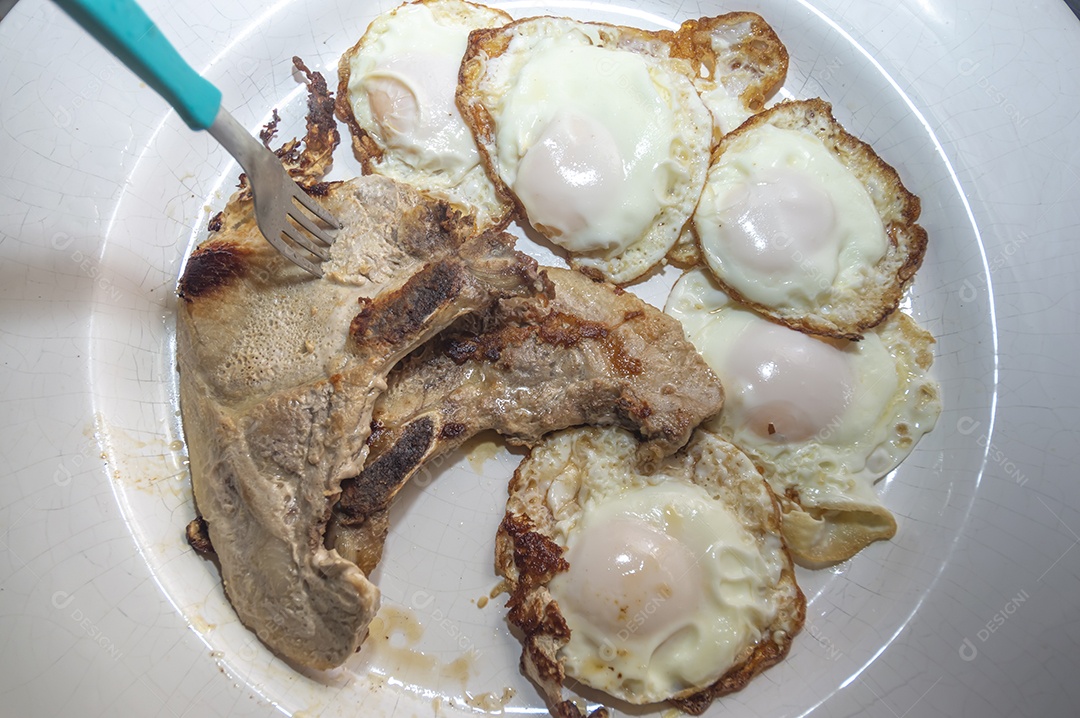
x=785, y=224
x=600, y=139
x=675, y=576
x=888, y=403
x=402, y=82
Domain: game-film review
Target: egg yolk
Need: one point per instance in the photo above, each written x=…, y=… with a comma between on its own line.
x=412, y=100
x=790, y=386
x=573, y=171
x=778, y=219
x=628, y=576
x=393, y=105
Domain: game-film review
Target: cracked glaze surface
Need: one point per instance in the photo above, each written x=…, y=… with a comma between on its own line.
x=105, y=610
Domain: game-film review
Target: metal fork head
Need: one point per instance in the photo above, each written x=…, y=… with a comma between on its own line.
x=285, y=225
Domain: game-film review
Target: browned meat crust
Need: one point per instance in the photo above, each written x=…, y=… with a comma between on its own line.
x=279, y=373
x=595, y=355
x=263, y=465
x=198, y=537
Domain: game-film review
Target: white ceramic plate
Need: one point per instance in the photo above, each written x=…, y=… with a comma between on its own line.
x=971, y=609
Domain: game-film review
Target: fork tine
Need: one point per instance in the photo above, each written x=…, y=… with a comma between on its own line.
x=304, y=221
x=295, y=257
x=302, y=239
x=315, y=208
x=272, y=187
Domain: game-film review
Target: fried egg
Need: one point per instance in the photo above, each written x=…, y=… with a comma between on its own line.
x=824, y=418
x=596, y=132
x=397, y=95
x=805, y=223
x=674, y=579
x=741, y=63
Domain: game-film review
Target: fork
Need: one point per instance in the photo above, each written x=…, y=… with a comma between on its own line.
x=127, y=32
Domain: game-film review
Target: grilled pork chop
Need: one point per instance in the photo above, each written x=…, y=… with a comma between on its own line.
x=594, y=355
x=279, y=373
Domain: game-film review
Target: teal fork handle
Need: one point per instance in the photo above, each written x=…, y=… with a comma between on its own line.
x=126, y=31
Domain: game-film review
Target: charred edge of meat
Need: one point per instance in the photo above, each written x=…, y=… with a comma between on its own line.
x=547, y=670
x=448, y=217
x=309, y=159
x=594, y=274
x=545, y=288
x=525, y=270
x=422, y=229
x=556, y=328
x=452, y=430
x=540, y=620
x=403, y=312
x=380, y=480
x=476, y=348
x=322, y=133
x=319, y=189
x=198, y=537
x=320, y=114
x=266, y=134
x=567, y=330
x=537, y=557
x=569, y=709
x=378, y=431
x=212, y=265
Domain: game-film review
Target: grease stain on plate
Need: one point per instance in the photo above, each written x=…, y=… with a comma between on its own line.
x=490, y=702
x=156, y=465
x=391, y=645
x=482, y=448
